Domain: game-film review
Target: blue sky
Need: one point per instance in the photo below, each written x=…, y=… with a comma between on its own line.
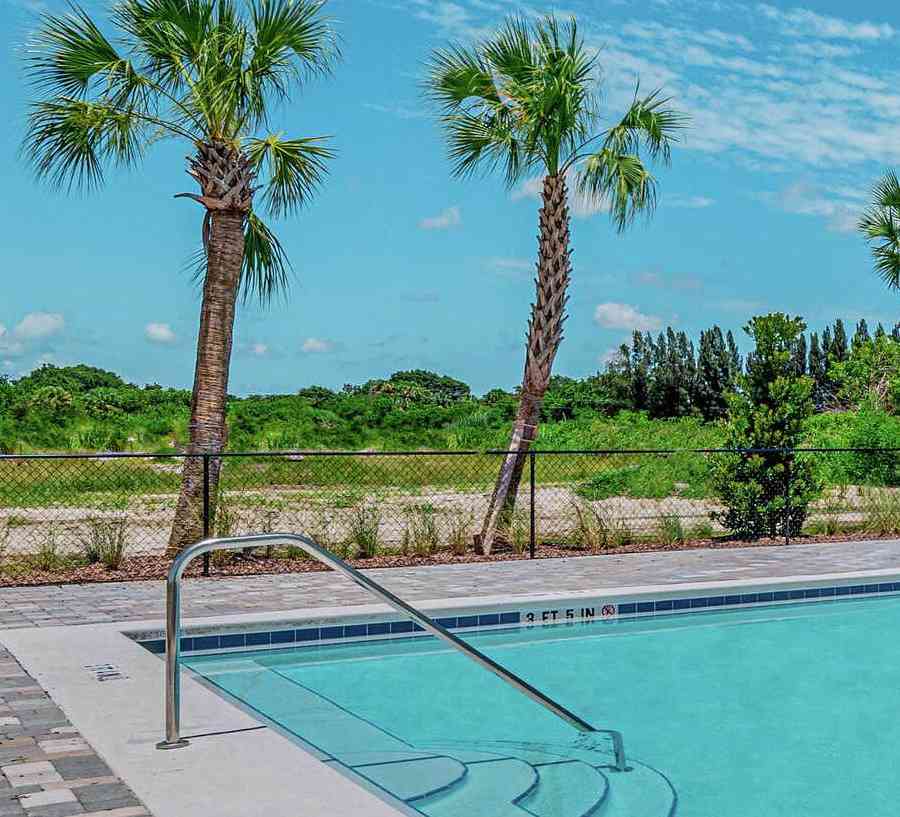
x=796, y=111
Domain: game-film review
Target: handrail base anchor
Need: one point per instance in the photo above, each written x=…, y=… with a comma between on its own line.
x=173, y=744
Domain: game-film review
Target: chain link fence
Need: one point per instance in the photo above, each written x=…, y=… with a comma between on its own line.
x=108, y=517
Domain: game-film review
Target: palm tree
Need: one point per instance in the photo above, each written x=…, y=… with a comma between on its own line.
x=523, y=101
x=208, y=72
x=880, y=225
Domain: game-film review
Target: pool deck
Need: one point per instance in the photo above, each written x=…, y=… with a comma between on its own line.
x=56, y=605
x=48, y=770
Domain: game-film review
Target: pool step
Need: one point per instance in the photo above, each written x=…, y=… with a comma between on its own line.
x=416, y=779
x=642, y=792
x=491, y=788
x=566, y=788
x=573, y=781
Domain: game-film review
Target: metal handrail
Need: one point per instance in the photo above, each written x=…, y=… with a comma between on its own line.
x=174, y=740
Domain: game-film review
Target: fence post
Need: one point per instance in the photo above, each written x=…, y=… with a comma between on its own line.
x=788, y=472
x=532, y=543
x=206, y=556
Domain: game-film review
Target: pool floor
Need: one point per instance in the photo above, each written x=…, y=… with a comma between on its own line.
x=783, y=711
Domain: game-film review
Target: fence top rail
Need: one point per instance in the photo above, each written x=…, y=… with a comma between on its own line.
x=590, y=452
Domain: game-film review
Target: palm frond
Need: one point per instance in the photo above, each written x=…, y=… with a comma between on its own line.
x=69, y=140
x=525, y=92
x=68, y=53
x=880, y=225
x=266, y=271
x=295, y=168
x=511, y=54
x=621, y=181
x=648, y=123
x=288, y=34
x=486, y=143
x=172, y=35
x=456, y=75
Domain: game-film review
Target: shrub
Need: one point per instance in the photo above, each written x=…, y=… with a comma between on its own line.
x=702, y=529
x=518, y=532
x=106, y=542
x=365, y=523
x=422, y=528
x=591, y=527
x=48, y=557
x=881, y=511
x=459, y=535
x=670, y=530
x=767, y=493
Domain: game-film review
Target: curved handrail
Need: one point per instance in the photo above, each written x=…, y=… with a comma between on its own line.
x=173, y=634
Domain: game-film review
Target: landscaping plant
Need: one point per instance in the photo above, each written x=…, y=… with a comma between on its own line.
x=524, y=101
x=210, y=73
x=764, y=488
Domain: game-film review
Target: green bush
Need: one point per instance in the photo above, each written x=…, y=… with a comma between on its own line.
x=767, y=492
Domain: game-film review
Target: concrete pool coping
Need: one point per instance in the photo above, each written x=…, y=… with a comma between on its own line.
x=111, y=688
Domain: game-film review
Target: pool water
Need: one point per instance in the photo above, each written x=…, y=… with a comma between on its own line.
x=783, y=711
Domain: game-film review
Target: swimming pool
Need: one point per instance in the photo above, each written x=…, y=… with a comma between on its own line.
x=781, y=710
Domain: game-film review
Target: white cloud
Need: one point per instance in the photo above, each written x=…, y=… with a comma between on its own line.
x=512, y=267
x=804, y=22
x=159, y=333
x=317, y=346
x=528, y=189
x=819, y=49
x=624, y=316
x=677, y=282
x=401, y=111
x=451, y=217
x=38, y=325
x=840, y=207
x=689, y=202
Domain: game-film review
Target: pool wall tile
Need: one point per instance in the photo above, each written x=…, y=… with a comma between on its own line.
x=286, y=635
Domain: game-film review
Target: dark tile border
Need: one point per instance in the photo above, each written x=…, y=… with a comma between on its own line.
x=363, y=631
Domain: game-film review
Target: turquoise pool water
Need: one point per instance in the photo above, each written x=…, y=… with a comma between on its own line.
x=779, y=711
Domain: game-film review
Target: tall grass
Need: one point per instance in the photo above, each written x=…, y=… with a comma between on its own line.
x=364, y=529
x=881, y=511
x=106, y=542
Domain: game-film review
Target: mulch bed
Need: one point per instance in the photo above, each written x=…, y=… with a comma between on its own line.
x=141, y=568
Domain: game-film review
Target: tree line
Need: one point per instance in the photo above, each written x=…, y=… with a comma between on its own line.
x=668, y=376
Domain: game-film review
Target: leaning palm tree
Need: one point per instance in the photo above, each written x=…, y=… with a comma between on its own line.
x=208, y=72
x=880, y=224
x=524, y=101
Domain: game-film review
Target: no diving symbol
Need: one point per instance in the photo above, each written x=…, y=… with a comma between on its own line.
x=608, y=611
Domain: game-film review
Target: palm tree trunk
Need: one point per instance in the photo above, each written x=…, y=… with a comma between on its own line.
x=208, y=432
x=544, y=336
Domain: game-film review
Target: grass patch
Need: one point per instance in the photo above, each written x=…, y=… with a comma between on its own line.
x=881, y=511
x=649, y=476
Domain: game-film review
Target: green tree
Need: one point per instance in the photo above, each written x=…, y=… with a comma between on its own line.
x=735, y=360
x=211, y=73
x=715, y=375
x=440, y=388
x=839, y=349
x=817, y=368
x=764, y=488
x=861, y=335
x=524, y=101
x=800, y=355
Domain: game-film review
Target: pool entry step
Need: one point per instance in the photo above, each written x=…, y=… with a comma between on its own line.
x=448, y=779
x=518, y=780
